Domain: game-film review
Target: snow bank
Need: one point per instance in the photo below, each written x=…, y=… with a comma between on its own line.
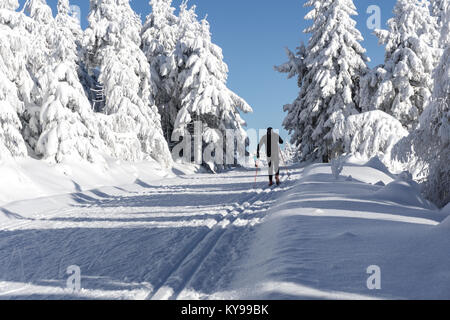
x=404, y=192
x=446, y=209
x=30, y=179
x=324, y=233
x=446, y=223
x=354, y=169
x=376, y=163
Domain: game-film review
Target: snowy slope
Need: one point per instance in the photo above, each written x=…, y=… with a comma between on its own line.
x=323, y=235
x=29, y=178
x=223, y=236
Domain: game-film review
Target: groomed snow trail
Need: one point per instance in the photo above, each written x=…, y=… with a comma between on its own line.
x=221, y=236
x=136, y=242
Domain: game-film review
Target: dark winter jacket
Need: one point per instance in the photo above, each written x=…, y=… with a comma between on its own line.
x=271, y=140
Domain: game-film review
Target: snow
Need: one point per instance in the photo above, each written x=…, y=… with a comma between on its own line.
x=329, y=72
x=376, y=163
x=29, y=178
x=87, y=178
x=406, y=192
x=412, y=52
x=112, y=42
x=438, y=8
x=427, y=147
x=369, y=134
x=137, y=291
x=446, y=223
x=202, y=85
x=155, y=234
x=322, y=236
x=159, y=38
x=446, y=209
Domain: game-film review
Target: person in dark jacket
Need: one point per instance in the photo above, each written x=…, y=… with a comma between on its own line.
x=272, y=142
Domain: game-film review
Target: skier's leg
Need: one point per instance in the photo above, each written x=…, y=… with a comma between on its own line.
x=270, y=171
x=277, y=170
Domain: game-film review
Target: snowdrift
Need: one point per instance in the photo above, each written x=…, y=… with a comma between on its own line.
x=322, y=234
x=446, y=209
x=376, y=163
x=446, y=212
x=405, y=192
x=29, y=179
x=446, y=223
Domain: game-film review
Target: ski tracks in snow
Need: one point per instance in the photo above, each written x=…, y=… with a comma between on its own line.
x=175, y=281
x=150, y=238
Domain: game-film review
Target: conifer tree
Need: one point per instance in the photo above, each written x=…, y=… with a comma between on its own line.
x=431, y=141
x=159, y=40
x=12, y=63
x=334, y=64
x=411, y=55
x=69, y=129
x=113, y=42
x=202, y=87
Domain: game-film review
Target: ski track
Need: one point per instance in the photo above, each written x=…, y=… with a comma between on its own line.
x=177, y=279
x=188, y=215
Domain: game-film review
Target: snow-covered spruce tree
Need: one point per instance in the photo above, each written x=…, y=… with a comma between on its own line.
x=9, y=4
x=369, y=85
x=370, y=134
x=68, y=124
x=335, y=62
x=67, y=21
x=445, y=30
x=41, y=38
x=438, y=8
x=295, y=66
x=431, y=141
x=411, y=56
x=11, y=107
x=59, y=123
x=19, y=26
x=202, y=80
x=290, y=154
x=64, y=19
x=132, y=127
x=159, y=39
x=39, y=11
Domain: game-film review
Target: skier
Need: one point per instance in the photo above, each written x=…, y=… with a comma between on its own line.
x=272, y=141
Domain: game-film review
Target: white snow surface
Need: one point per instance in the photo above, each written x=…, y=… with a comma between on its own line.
x=27, y=178
x=155, y=234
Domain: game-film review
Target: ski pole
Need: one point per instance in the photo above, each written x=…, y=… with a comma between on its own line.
x=285, y=164
x=256, y=173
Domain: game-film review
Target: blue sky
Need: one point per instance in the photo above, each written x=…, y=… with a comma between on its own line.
x=253, y=35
